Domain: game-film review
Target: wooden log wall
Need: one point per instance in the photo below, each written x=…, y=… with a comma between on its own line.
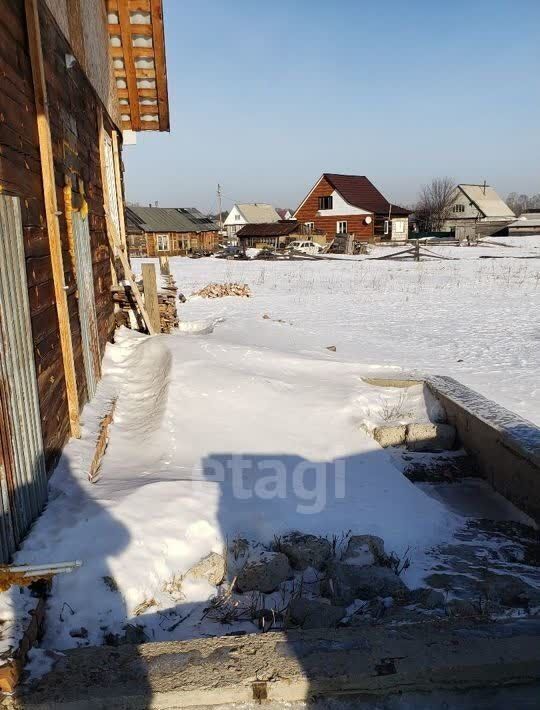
x=308, y=212
x=181, y=243
x=73, y=111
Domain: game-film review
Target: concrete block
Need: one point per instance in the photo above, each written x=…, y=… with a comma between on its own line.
x=390, y=435
x=430, y=437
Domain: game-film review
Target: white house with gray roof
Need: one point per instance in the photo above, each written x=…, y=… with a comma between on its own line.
x=249, y=213
x=473, y=204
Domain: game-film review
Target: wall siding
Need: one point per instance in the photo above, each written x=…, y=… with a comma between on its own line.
x=308, y=213
x=73, y=112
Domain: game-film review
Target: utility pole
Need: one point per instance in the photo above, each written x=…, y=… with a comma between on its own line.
x=219, y=208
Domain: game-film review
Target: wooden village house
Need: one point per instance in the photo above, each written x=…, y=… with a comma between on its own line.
x=248, y=213
x=477, y=210
x=169, y=231
x=351, y=204
x=273, y=235
x=73, y=77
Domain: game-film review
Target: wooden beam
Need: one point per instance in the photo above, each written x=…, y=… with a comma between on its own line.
x=112, y=235
x=102, y=442
x=68, y=213
x=119, y=190
x=51, y=211
x=131, y=79
x=151, y=295
x=158, y=36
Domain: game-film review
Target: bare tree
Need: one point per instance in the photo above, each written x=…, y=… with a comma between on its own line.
x=434, y=204
x=519, y=203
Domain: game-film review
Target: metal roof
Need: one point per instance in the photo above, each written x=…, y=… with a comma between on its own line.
x=360, y=192
x=271, y=229
x=528, y=216
x=258, y=212
x=168, y=219
x=487, y=200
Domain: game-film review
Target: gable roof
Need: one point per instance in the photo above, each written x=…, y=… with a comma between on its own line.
x=271, y=229
x=360, y=192
x=258, y=212
x=282, y=212
x=487, y=200
x=168, y=219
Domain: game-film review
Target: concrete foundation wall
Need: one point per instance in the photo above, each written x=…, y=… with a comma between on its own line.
x=505, y=446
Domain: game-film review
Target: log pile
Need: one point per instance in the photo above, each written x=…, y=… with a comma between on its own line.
x=228, y=289
x=168, y=313
x=167, y=300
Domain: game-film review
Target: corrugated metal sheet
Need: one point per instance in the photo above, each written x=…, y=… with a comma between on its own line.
x=487, y=200
x=26, y=492
x=170, y=219
x=87, y=302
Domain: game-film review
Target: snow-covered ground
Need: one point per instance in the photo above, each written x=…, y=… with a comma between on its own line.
x=475, y=318
x=253, y=427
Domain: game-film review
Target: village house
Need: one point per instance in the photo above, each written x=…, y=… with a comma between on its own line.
x=351, y=204
x=527, y=223
x=477, y=209
x=169, y=231
x=71, y=81
x=246, y=213
x=273, y=235
x=284, y=213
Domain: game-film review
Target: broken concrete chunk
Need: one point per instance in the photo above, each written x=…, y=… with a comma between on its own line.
x=345, y=582
x=304, y=551
x=313, y=614
x=264, y=574
x=364, y=550
x=211, y=568
x=430, y=437
x=390, y=435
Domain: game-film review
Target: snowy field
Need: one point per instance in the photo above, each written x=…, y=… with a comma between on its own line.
x=475, y=318
x=258, y=391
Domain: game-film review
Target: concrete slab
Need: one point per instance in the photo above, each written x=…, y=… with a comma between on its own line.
x=375, y=662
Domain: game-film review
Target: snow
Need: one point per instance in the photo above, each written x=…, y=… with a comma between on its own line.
x=244, y=426
x=15, y=617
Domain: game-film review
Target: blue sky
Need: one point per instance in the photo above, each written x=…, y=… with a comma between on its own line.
x=265, y=96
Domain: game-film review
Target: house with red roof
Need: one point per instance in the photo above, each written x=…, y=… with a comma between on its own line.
x=351, y=204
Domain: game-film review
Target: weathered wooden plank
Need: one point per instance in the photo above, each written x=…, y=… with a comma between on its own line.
x=131, y=79
x=158, y=36
x=150, y=295
x=51, y=209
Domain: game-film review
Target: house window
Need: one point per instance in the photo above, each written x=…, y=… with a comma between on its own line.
x=459, y=208
x=163, y=242
x=386, y=226
x=325, y=203
x=399, y=226
x=236, y=217
x=341, y=228
x=310, y=226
